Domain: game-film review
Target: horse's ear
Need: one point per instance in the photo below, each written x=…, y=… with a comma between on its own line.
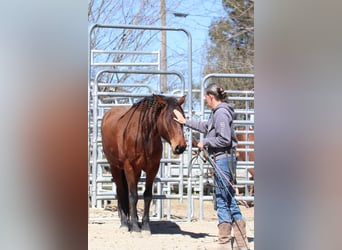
x=181, y=100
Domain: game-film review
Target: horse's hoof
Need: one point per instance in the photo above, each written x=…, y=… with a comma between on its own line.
x=146, y=232
x=136, y=235
x=145, y=229
x=135, y=229
x=136, y=232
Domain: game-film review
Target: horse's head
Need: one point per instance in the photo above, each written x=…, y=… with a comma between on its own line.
x=167, y=127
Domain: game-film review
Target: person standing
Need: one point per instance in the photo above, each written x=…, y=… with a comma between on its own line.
x=220, y=141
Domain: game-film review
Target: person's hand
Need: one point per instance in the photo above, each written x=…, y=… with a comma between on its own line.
x=200, y=145
x=179, y=117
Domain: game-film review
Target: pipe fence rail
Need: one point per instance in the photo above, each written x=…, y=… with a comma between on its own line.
x=175, y=178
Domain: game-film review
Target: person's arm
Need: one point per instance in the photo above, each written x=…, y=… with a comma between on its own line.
x=200, y=126
x=222, y=137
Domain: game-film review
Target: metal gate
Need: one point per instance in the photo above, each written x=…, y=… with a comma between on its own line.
x=102, y=96
x=246, y=120
x=174, y=179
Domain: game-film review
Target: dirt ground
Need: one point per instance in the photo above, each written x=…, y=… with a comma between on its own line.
x=177, y=233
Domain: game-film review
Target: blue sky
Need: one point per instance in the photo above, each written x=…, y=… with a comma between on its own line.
x=200, y=15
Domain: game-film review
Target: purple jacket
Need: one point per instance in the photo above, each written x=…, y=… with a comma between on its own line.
x=219, y=134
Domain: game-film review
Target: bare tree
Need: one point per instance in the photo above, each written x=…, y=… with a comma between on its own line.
x=231, y=48
x=132, y=12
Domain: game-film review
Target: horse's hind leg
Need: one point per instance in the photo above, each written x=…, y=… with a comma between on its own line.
x=122, y=192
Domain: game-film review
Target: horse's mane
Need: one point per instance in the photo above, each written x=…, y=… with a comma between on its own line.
x=148, y=110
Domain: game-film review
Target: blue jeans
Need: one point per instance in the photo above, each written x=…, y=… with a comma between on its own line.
x=227, y=208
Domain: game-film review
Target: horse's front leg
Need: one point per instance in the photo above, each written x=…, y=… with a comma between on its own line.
x=147, y=202
x=132, y=181
x=147, y=199
x=133, y=200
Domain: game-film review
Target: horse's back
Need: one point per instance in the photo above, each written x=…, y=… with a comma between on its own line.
x=248, y=136
x=111, y=130
x=114, y=114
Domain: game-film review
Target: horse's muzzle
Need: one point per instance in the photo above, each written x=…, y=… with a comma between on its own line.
x=180, y=149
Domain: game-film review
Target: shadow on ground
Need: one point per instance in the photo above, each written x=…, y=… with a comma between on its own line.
x=169, y=227
x=250, y=239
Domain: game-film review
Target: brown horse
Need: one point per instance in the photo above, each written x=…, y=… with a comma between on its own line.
x=242, y=156
x=131, y=139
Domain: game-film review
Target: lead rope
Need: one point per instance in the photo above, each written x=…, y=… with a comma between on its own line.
x=221, y=177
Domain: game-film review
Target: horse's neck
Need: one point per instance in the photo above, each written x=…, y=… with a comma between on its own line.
x=147, y=131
